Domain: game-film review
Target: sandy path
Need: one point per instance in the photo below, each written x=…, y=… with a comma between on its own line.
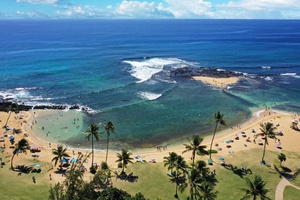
x=280, y=188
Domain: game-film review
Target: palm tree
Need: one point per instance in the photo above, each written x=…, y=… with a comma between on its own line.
x=282, y=158
x=12, y=108
x=206, y=192
x=193, y=181
x=20, y=147
x=256, y=189
x=59, y=153
x=109, y=127
x=170, y=161
x=180, y=168
x=218, y=119
x=92, y=132
x=267, y=130
x=124, y=158
x=195, y=146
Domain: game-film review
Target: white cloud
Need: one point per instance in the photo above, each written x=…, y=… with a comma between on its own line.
x=259, y=9
x=78, y=11
x=137, y=9
x=39, y=1
x=190, y=8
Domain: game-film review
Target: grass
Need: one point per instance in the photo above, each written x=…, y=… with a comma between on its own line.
x=14, y=187
x=291, y=193
x=153, y=181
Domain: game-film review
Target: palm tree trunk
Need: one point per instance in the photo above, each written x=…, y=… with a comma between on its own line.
x=107, y=148
x=194, y=159
x=61, y=165
x=123, y=168
x=7, y=119
x=11, y=162
x=212, y=140
x=264, y=152
x=92, y=150
x=176, y=182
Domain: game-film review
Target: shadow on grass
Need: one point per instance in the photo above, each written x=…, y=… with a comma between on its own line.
x=130, y=177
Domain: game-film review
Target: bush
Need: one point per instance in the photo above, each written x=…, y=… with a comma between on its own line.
x=120, y=165
x=104, y=166
x=92, y=170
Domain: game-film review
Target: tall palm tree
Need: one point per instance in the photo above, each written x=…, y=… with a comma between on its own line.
x=207, y=192
x=282, y=158
x=255, y=189
x=193, y=182
x=267, y=130
x=170, y=161
x=21, y=146
x=12, y=108
x=92, y=132
x=109, y=127
x=59, y=153
x=124, y=158
x=195, y=146
x=180, y=168
x=218, y=119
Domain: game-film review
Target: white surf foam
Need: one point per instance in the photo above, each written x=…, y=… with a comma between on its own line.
x=149, y=95
x=266, y=67
x=145, y=69
x=288, y=74
x=268, y=78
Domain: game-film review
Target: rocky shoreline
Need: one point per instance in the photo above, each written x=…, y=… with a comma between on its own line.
x=190, y=71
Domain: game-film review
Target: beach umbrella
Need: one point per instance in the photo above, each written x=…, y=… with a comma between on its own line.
x=11, y=138
x=221, y=158
x=235, y=135
x=73, y=160
x=243, y=133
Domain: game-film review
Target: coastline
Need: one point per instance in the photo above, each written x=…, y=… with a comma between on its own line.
x=277, y=117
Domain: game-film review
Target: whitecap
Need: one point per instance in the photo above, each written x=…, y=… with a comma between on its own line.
x=288, y=74
x=268, y=78
x=266, y=67
x=145, y=69
x=149, y=95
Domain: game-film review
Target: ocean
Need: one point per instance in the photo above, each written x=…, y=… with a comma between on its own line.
x=111, y=66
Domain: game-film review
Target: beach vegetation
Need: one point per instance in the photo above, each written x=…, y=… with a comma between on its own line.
x=195, y=147
x=92, y=132
x=281, y=158
x=180, y=166
x=12, y=108
x=255, y=189
x=125, y=158
x=266, y=130
x=218, y=119
x=21, y=147
x=109, y=128
x=200, y=182
x=59, y=153
x=170, y=161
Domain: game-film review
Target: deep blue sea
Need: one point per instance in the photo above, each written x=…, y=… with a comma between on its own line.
x=109, y=66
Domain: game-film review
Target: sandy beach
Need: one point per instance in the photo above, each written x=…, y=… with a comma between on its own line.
x=217, y=82
x=225, y=140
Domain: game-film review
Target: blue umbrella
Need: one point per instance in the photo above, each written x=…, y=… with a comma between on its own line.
x=243, y=133
x=221, y=159
x=73, y=160
x=11, y=138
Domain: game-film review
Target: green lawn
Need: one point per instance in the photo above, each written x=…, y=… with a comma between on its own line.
x=291, y=193
x=153, y=181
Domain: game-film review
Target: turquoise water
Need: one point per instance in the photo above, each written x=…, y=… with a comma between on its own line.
x=111, y=67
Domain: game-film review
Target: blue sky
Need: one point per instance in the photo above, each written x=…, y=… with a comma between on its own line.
x=150, y=9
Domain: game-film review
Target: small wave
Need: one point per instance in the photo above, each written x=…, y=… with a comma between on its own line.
x=289, y=74
x=144, y=69
x=149, y=95
x=268, y=78
x=266, y=67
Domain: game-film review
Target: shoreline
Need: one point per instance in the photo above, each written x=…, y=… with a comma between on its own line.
x=222, y=83
x=221, y=136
